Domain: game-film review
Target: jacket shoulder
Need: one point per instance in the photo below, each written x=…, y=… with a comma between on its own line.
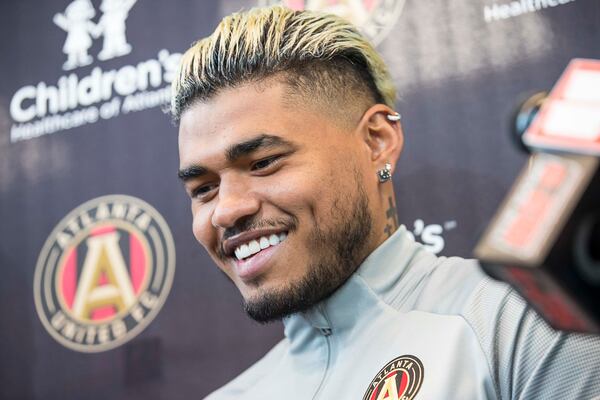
x=450, y=284
x=526, y=357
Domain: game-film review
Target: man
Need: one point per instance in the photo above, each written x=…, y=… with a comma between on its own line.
x=287, y=142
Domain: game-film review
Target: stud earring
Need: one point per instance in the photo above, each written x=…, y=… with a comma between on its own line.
x=394, y=117
x=385, y=174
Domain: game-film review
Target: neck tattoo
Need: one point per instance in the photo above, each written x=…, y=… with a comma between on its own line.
x=391, y=217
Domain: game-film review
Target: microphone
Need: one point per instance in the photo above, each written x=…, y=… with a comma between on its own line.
x=544, y=240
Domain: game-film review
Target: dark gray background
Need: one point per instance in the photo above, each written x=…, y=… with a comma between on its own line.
x=458, y=78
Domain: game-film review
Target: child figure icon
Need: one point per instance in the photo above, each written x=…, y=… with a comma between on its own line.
x=77, y=22
x=112, y=27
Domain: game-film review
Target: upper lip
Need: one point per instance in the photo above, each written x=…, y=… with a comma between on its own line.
x=234, y=242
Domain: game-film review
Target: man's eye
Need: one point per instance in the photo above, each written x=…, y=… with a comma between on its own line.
x=265, y=162
x=202, y=192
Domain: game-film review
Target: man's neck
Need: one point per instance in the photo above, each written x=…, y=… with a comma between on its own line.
x=391, y=217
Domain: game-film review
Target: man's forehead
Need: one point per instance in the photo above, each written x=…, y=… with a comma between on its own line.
x=201, y=138
x=211, y=135
x=226, y=149
x=242, y=110
x=236, y=115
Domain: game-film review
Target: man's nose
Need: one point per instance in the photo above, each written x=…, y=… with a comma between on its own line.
x=235, y=201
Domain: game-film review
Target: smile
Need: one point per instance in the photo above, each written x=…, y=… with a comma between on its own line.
x=254, y=246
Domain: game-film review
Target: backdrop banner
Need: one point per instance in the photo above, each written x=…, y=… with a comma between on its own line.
x=104, y=292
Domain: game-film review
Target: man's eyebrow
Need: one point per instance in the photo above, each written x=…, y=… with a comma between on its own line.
x=234, y=152
x=195, y=171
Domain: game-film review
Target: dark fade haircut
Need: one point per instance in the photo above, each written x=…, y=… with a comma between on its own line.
x=319, y=56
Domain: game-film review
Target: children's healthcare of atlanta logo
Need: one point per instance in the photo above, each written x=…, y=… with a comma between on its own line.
x=104, y=273
x=83, y=96
x=375, y=18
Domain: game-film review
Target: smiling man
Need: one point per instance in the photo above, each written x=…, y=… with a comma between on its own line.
x=288, y=140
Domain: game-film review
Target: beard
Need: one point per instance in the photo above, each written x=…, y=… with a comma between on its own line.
x=337, y=253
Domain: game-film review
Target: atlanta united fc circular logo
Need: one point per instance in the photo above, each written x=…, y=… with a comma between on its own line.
x=104, y=273
x=375, y=18
x=400, y=379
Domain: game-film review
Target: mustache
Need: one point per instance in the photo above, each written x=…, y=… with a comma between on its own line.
x=289, y=224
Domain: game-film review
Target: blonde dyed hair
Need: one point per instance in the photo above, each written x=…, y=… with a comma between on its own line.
x=319, y=55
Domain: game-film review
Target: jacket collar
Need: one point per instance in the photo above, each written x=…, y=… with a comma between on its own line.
x=375, y=280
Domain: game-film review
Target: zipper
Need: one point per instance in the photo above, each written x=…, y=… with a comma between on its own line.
x=326, y=332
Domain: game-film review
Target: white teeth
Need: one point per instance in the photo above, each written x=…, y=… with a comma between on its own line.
x=273, y=239
x=254, y=246
x=264, y=243
x=244, y=251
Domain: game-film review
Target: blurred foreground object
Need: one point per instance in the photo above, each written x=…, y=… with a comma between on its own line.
x=545, y=238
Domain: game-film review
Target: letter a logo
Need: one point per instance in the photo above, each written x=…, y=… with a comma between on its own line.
x=104, y=278
x=400, y=379
x=104, y=273
x=389, y=391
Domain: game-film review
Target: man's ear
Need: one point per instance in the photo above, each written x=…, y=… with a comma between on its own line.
x=384, y=138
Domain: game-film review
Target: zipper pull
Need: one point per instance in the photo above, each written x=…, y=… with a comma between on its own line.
x=325, y=331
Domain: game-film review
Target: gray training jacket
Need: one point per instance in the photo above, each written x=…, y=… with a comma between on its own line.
x=410, y=325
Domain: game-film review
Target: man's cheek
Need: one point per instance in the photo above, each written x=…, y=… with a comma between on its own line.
x=202, y=231
x=289, y=186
